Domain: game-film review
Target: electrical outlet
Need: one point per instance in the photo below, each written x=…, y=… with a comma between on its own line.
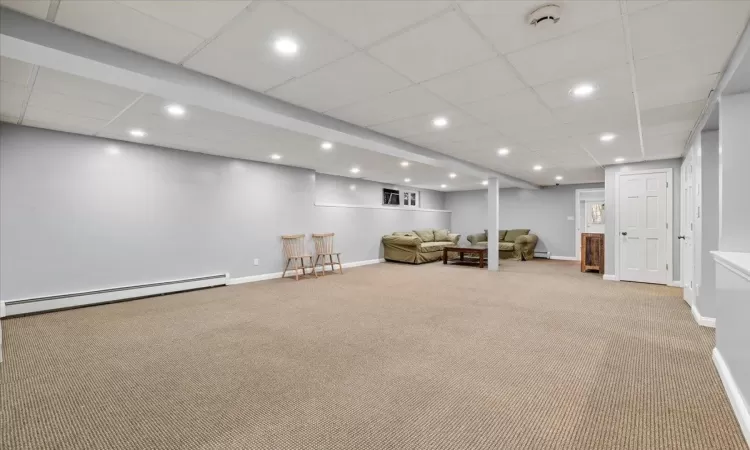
x=256, y=261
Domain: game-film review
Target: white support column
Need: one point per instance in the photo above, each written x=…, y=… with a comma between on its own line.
x=493, y=223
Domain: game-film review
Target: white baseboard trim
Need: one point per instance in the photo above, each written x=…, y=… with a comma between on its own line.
x=677, y=283
x=565, y=258
x=274, y=275
x=2, y=311
x=740, y=408
x=608, y=277
x=72, y=300
x=701, y=320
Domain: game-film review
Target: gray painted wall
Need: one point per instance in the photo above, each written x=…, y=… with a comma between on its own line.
x=350, y=191
x=545, y=211
x=734, y=140
x=705, y=299
x=75, y=217
x=609, y=193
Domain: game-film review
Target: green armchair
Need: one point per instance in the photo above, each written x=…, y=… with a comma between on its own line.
x=517, y=244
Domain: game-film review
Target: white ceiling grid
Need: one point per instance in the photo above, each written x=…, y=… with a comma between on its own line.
x=393, y=66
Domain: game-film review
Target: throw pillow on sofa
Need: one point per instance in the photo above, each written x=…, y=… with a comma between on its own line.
x=511, y=235
x=427, y=235
x=442, y=235
x=500, y=235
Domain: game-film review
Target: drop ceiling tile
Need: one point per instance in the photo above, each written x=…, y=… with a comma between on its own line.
x=556, y=146
x=62, y=121
x=610, y=82
x=411, y=101
x=673, y=113
x=684, y=126
x=14, y=71
x=536, y=125
x=201, y=17
x=614, y=107
x=422, y=123
x=676, y=25
x=665, y=146
x=77, y=106
x=12, y=98
x=36, y=8
x=518, y=103
x=634, y=6
x=583, y=52
x=244, y=54
x=489, y=145
x=79, y=87
x=626, y=144
x=121, y=25
x=470, y=131
x=364, y=22
x=356, y=77
x=677, y=92
x=688, y=65
x=480, y=81
x=608, y=123
x=437, y=47
x=505, y=23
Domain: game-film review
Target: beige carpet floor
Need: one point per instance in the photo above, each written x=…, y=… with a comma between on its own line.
x=390, y=356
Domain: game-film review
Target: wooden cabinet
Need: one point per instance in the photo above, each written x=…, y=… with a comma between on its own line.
x=592, y=252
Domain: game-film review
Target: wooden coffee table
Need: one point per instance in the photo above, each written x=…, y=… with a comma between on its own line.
x=471, y=250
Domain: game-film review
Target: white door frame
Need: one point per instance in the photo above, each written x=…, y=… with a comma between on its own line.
x=578, y=231
x=670, y=219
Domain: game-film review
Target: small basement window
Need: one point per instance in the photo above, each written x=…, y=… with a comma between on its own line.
x=410, y=198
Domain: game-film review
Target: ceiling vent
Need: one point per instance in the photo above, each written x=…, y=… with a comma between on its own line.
x=544, y=16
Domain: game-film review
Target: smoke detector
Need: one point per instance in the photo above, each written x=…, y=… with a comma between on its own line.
x=544, y=16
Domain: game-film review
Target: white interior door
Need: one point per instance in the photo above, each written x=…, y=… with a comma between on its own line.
x=686, y=232
x=642, y=227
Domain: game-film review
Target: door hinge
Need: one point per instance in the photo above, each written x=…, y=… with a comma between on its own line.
x=667, y=266
x=667, y=225
x=667, y=183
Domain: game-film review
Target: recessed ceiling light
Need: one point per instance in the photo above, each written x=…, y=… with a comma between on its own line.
x=176, y=110
x=443, y=186
x=404, y=163
x=113, y=150
x=583, y=90
x=537, y=167
x=452, y=175
x=607, y=137
x=485, y=183
x=354, y=170
x=407, y=180
x=275, y=156
x=619, y=159
x=286, y=46
x=558, y=178
x=503, y=151
x=137, y=133
x=440, y=122
x=326, y=145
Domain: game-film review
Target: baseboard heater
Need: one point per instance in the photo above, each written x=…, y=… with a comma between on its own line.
x=62, y=301
x=541, y=255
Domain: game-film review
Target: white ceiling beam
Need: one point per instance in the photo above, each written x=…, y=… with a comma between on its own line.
x=45, y=44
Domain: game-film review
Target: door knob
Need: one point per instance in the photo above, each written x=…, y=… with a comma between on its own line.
x=680, y=237
x=624, y=233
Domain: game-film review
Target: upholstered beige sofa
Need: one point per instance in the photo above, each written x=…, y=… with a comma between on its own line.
x=418, y=246
x=517, y=244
